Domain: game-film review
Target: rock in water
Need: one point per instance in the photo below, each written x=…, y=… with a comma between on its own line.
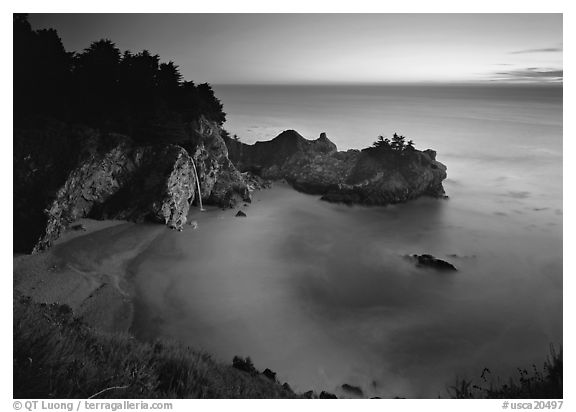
x=430, y=261
x=370, y=176
x=240, y=214
x=327, y=395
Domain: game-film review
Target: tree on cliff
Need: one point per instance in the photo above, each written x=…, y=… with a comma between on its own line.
x=382, y=143
x=95, y=73
x=42, y=69
x=396, y=145
x=398, y=142
x=127, y=92
x=169, y=81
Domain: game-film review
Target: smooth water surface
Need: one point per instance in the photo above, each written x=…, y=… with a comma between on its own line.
x=322, y=294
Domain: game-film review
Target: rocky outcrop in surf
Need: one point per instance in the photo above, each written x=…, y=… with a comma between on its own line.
x=371, y=176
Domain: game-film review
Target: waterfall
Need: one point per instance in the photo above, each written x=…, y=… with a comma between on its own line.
x=197, y=183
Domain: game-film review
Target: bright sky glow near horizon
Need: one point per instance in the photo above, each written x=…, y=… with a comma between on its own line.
x=332, y=48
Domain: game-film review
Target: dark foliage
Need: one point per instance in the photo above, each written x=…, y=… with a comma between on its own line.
x=245, y=365
x=269, y=374
x=130, y=93
x=44, y=152
x=398, y=144
x=392, y=152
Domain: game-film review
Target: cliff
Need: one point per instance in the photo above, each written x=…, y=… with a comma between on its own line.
x=63, y=173
x=371, y=176
x=220, y=182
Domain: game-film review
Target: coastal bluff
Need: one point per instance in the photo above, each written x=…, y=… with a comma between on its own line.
x=369, y=176
x=65, y=172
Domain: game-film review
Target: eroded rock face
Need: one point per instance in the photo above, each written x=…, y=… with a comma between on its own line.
x=124, y=181
x=221, y=183
x=370, y=176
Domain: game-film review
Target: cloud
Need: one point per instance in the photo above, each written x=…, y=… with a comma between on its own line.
x=542, y=50
x=534, y=74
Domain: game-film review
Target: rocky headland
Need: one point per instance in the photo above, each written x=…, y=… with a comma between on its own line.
x=370, y=176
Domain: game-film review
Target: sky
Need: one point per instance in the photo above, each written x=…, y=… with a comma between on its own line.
x=332, y=48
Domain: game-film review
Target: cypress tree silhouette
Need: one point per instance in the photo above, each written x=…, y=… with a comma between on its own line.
x=132, y=93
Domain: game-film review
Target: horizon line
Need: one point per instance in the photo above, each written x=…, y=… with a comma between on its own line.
x=421, y=83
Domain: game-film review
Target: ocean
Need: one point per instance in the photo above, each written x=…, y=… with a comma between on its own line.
x=322, y=293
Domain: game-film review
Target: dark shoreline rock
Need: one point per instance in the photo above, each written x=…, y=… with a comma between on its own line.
x=309, y=395
x=256, y=182
x=353, y=390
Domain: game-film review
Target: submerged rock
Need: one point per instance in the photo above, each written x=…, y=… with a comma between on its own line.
x=430, y=261
x=240, y=214
x=327, y=395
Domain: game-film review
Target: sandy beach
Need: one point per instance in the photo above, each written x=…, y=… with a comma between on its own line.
x=88, y=274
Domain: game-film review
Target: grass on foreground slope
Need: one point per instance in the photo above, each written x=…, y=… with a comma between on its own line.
x=536, y=384
x=57, y=356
